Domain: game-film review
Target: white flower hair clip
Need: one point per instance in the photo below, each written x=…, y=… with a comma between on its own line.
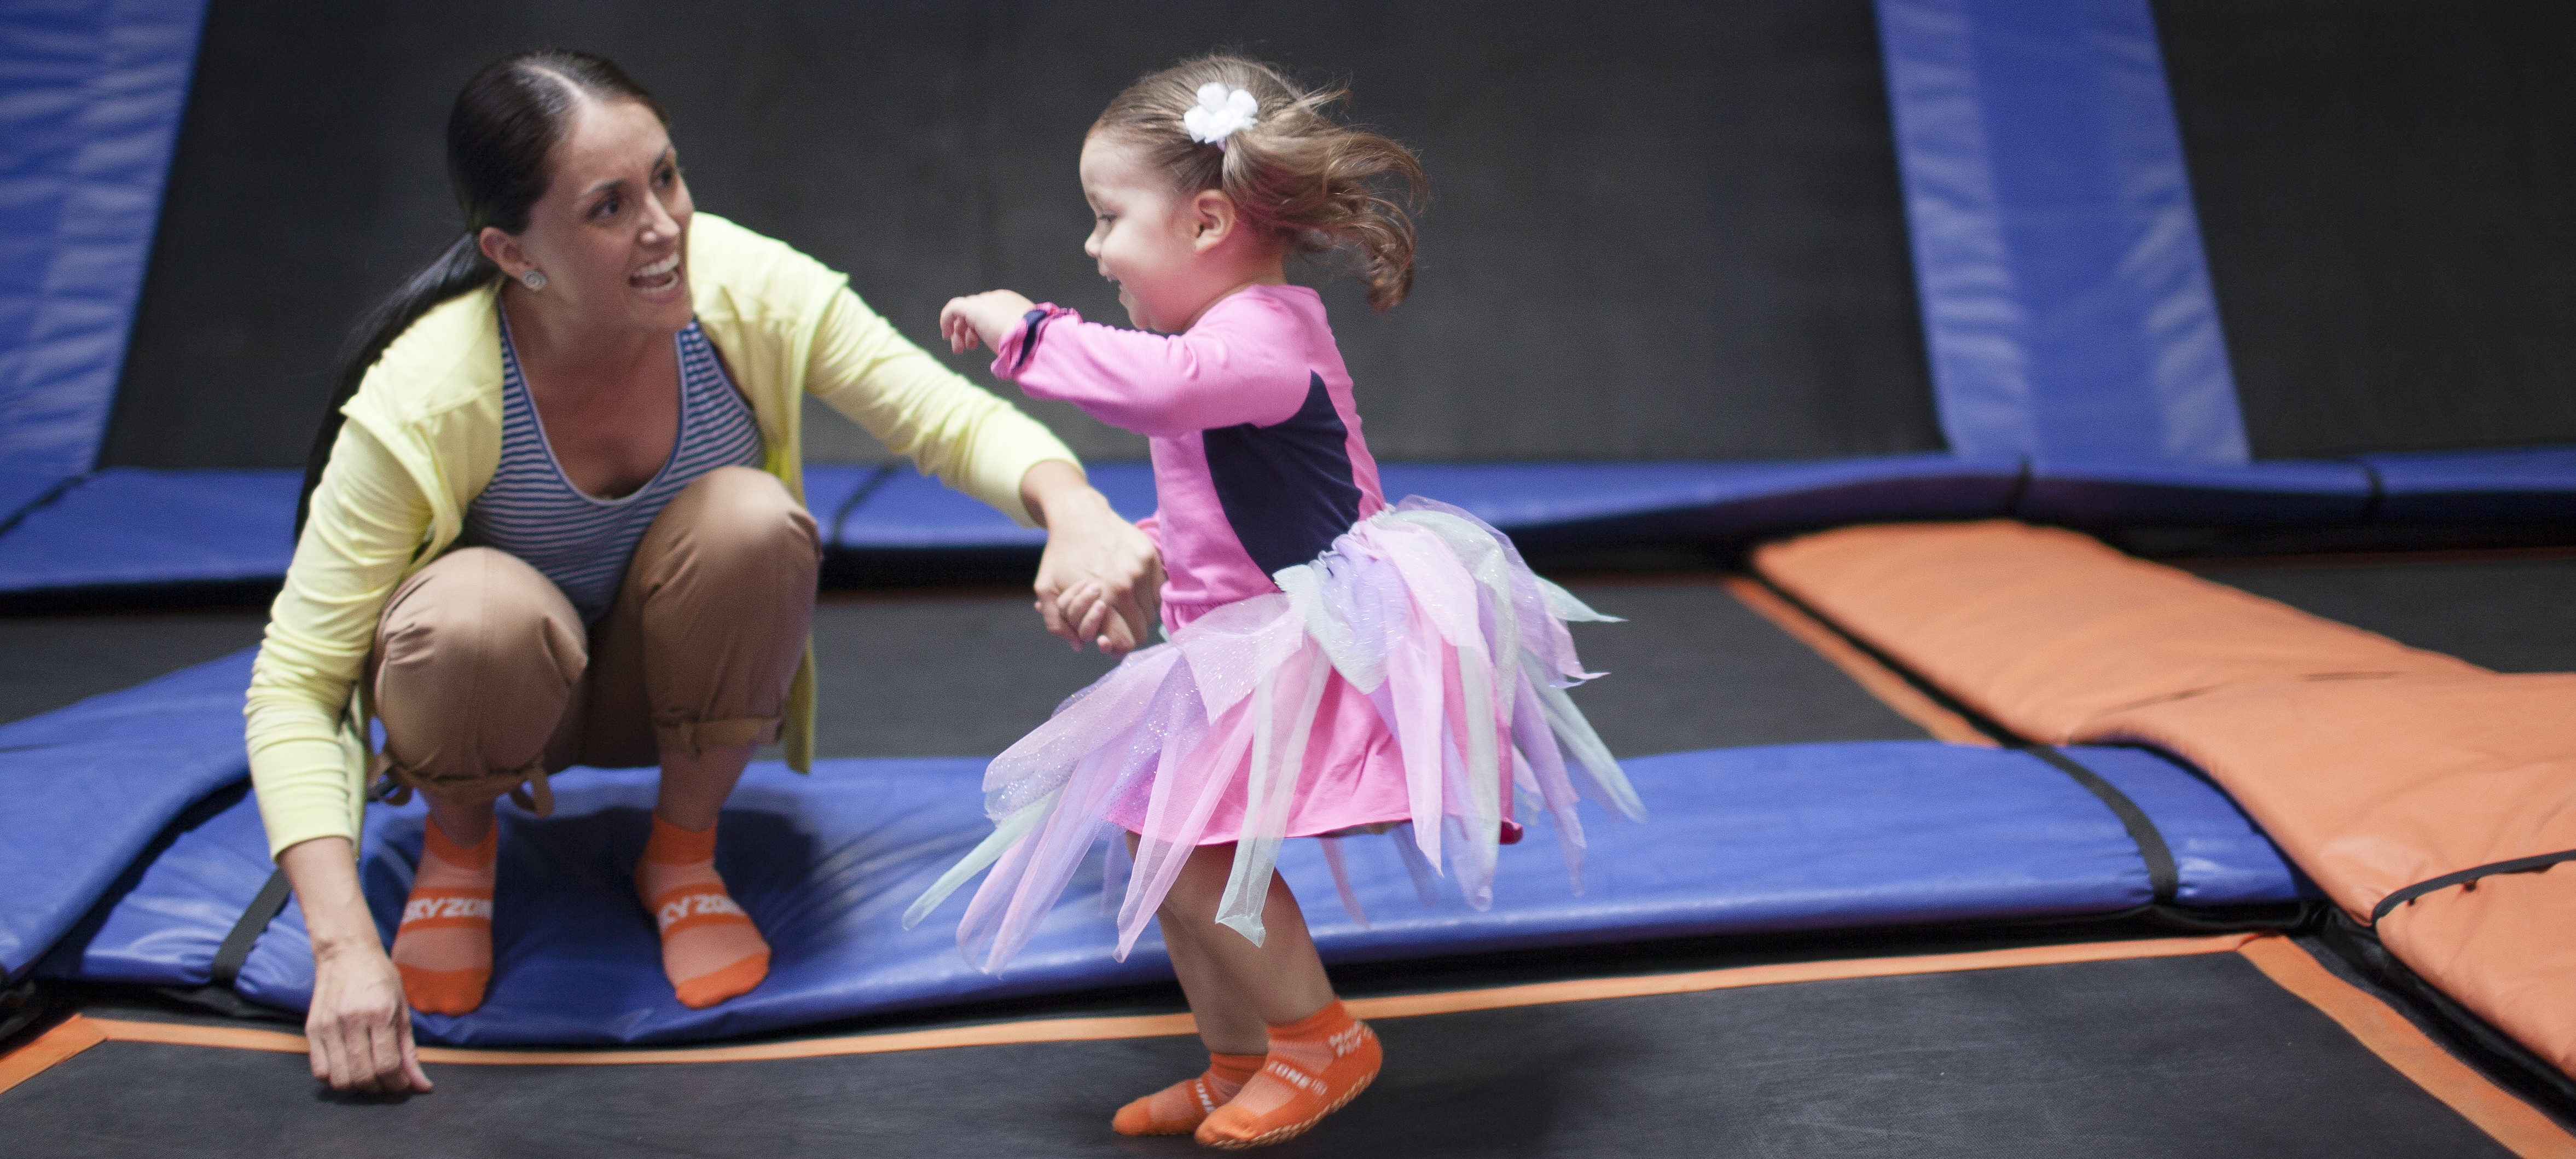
x=1221, y=112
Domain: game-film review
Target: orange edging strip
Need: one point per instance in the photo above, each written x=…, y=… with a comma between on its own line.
x=73, y=1036
x=1165, y=1025
x=1890, y=688
x=2397, y=1042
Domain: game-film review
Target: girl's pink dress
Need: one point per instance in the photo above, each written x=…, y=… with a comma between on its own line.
x=1333, y=662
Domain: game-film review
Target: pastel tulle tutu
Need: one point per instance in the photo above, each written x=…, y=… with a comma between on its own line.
x=1424, y=610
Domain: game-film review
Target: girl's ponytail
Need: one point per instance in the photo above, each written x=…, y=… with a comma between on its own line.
x=1322, y=186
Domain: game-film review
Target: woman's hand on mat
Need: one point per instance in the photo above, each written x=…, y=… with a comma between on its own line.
x=988, y=316
x=1100, y=578
x=359, y=1026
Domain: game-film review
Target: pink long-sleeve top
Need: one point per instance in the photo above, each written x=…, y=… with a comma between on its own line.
x=1258, y=459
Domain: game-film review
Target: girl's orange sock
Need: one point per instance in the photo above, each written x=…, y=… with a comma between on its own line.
x=710, y=949
x=443, y=948
x=1315, y=1065
x=1179, y=1108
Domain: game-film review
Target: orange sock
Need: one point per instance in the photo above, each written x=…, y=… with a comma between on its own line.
x=1316, y=1064
x=444, y=946
x=1179, y=1108
x=710, y=949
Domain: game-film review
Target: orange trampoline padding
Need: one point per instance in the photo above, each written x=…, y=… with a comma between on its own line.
x=2045, y=630
x=2374, y=785
x=2375, y=766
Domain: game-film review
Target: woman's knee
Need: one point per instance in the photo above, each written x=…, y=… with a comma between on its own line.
x=483, y=614
x=477, y=658
x=737, y=513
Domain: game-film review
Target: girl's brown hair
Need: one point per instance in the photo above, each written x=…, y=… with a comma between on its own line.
x=1295, y=171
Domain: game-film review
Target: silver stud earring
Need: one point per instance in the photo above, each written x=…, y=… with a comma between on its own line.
x=536, y=279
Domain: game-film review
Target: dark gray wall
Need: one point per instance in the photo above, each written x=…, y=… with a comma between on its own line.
x=2387, y=189
x=1661, y=230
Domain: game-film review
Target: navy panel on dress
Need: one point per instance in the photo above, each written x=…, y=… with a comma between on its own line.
x=1286, y=488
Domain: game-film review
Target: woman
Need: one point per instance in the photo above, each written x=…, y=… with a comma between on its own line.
x=560, y=524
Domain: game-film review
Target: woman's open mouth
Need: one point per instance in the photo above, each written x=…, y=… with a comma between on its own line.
x=661, y=275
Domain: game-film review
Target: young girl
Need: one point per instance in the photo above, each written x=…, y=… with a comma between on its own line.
x=1335, y=665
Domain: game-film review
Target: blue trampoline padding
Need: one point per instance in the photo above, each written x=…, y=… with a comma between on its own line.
x=2469, y=486
x=2288, y=491
x=89, y=786
x=1541, y=502
x=1601, y=502
x=830, y=485
x=90, y=102
x=20, y=488
x=911, y=511
x=2067, y=307
x=128, y=525
x=1800, y=837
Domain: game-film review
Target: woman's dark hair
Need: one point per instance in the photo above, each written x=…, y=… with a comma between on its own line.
x=500, y=132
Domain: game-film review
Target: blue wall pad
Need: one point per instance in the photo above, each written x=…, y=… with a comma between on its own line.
x=89, y=786
x=2066, y=299
x=1540, y=502
x=90, y=99
x=2447, y=486
x=1801, y=837
x=2251, y=493
x=128, y=525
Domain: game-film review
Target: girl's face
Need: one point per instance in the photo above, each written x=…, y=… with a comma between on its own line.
x=1145, y=235
x=611, y=230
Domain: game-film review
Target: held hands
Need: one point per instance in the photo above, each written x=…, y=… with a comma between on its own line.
x=1101, y=578
x=989, y=316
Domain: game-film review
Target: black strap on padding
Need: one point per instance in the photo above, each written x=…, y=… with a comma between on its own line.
x=2162, y=876
x=2517, y=865
x=263, y=909
x=858, y=496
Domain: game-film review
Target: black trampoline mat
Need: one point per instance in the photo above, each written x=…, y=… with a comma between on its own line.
x=2509, y=614
x=964, y=674
x=54, y=661
x=2196, y=1056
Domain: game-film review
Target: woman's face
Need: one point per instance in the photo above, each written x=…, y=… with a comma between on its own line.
x=611, y=231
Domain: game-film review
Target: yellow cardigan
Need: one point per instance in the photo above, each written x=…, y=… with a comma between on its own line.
x=424, y=437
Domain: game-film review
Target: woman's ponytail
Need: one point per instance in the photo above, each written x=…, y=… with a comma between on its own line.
x=460, y=269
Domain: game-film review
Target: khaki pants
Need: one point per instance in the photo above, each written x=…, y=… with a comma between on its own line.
x=485, y=678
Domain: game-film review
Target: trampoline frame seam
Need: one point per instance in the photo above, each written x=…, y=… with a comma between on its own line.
x=1174, y=1025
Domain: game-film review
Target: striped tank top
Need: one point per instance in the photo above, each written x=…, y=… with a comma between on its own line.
x=580, y=541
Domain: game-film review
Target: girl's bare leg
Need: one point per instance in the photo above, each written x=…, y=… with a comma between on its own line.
x=1277, y=982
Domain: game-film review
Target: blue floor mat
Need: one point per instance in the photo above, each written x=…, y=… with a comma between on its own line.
x=1803, y=837
x=88, y=787
x=128, y=526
